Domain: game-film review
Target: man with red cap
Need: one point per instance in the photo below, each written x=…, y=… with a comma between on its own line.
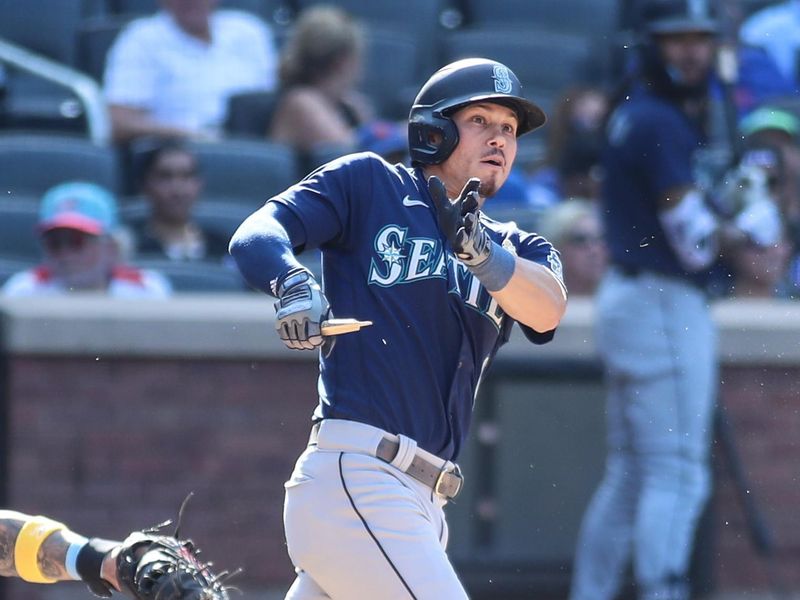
x=77, y=223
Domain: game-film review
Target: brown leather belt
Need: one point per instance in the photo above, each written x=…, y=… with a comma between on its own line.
x=445, y=483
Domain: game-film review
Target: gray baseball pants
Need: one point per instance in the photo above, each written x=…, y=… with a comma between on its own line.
x=658, y=344
x=358, y=528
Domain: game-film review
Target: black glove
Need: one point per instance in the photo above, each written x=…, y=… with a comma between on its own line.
x=300, y=309
x=458, y=220
x=160, y=567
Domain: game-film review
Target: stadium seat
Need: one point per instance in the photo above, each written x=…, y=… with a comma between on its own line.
x=417, y=18
x=93, y=41
x=391, y=89
x=249, y=171
x=18, y=238
x=196, y=276
x=591, y=18
x=545, y=62
x=249, y=113
x=46, y=27
x=401, y=14
x=32, y=163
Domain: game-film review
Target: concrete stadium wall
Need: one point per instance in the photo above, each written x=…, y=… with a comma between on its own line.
x=114, y=411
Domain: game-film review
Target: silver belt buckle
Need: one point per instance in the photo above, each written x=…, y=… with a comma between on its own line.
x=442, y=483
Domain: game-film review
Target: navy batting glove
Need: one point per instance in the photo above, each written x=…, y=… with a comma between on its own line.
x=300, y=309
x=458, y=220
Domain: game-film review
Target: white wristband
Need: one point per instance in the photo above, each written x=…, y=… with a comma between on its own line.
x=70, y=563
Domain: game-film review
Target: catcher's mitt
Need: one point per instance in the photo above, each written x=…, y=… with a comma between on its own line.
x=154, y=566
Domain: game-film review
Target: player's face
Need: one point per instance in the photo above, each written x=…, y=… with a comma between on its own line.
x=690, y=55
x=487, y=147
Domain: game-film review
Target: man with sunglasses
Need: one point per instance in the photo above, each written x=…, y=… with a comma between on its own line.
x=77, y=223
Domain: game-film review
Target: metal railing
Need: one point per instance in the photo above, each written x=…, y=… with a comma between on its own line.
x=84, y=87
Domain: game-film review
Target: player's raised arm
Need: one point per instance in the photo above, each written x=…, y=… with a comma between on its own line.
x=528, y=292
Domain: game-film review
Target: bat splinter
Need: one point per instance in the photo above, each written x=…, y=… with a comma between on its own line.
x=340, y=326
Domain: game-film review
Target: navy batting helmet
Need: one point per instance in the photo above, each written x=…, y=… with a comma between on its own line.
x=432, y=134
x=679, y=16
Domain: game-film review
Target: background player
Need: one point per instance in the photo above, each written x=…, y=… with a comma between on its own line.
x=443, y=285
x=654, y=331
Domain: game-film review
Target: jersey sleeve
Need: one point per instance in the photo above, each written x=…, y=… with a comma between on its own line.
x=537, y=249
x=327, y=201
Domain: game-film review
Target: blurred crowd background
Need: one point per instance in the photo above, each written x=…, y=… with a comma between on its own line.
x=135, y=136
x=191, y=113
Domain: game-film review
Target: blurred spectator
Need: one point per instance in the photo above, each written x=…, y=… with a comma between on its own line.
x=575, y=127
x=575, y=228
x=772, y=132
x=171, y=184
x=777, y=30
x=758, y=79
x=77, y=225
x=170, y=74
x=772, y=127
x=319, y=69
x=760, y=271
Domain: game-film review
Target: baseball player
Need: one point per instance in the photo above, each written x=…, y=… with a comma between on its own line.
x=654, y=330
x=410, y=250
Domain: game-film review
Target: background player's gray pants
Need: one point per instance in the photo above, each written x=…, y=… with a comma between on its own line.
x=358, y=528
x=658, y=344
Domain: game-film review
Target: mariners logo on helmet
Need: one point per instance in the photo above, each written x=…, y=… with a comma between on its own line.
x=502, y=82
x=432, y=134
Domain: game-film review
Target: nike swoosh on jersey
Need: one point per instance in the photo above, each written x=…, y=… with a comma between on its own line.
x=409, y=201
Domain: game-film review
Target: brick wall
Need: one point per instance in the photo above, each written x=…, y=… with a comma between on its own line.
x=112, y=446
x=763, y=408
x=109, y=446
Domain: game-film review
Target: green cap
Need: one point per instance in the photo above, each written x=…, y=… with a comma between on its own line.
x=770, y=118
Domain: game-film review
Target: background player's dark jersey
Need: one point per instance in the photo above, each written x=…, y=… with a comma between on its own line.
x=416, y=370
x=651, y=149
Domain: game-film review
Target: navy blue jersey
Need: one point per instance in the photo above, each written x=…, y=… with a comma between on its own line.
x=651, y=148
x=416, y=370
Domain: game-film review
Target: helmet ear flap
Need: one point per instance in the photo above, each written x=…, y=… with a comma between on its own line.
x=431, y=137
